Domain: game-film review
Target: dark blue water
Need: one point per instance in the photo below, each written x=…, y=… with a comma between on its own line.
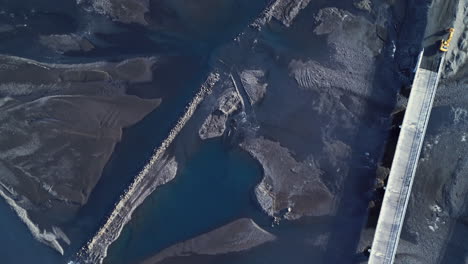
x=214, y=188
x=176, y=80
x=178, y=77
x=299, y=242
x=17, y=245
x=138, y=144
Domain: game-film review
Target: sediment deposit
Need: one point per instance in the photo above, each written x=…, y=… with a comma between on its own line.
x=237, y=236
x=307, y=89
x=287, y=94
x=59, y=126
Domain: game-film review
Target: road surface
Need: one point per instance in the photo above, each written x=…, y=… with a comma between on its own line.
x=404, y=164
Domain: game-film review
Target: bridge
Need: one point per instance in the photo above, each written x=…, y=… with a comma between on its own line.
x=405, y=161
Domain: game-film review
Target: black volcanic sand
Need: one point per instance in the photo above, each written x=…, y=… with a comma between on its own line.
x=138, y=143
x=176, y=78
x=327, y=105
x=435, y=229
x=337, y=120
x=59, y=127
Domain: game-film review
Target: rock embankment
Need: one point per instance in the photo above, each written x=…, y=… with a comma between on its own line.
x=226, y=104
x=155, y=173
x=125, y=11
x=283, y=10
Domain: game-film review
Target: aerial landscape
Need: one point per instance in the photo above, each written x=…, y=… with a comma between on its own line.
x=234, y=131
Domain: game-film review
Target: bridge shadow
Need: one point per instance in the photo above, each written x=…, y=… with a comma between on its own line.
x=368, y=146
x=456, y=241
x=432, y=49
x=457, y=245
x=352, y=212
x=439, y=33
x=384, y=170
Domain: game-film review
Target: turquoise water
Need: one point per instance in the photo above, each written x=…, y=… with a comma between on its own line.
x=214, y=188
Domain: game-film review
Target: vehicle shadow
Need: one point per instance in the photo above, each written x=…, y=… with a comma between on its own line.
x=432, y=49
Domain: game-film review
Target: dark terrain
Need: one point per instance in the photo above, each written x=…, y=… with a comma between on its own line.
x=308, y=89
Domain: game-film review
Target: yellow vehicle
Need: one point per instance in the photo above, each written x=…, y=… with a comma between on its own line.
x=445, y=44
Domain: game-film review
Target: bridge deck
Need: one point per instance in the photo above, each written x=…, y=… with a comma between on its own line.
x=404, y=166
